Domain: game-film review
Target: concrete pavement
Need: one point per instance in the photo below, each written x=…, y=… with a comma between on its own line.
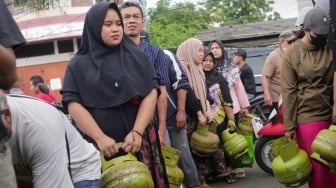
x=255, y=178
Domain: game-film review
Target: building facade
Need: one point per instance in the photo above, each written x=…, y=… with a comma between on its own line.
x=52, y=30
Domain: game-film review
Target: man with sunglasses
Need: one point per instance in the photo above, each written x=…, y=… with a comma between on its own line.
x=271, y=72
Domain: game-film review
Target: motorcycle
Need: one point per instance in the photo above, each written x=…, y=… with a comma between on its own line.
x=266, y=135
x=258, y=107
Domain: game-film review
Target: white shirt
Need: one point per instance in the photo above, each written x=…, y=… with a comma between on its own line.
x=39, y=147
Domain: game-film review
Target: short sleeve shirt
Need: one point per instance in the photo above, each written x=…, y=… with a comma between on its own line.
x=272, y=70
x=158, y=60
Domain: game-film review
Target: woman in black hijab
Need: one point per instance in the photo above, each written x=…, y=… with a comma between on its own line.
x=223, y=117
x=110, y=90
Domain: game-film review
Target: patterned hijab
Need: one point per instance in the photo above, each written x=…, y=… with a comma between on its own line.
x=187, y=53
x=102, y=76
x=225, y=65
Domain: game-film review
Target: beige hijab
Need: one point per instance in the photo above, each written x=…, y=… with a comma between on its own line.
x=187, y=53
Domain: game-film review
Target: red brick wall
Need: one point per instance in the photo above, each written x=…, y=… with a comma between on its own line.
x=46, y=71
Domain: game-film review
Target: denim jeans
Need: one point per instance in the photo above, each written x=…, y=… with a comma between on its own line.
x=88, y=184
x=179, y=140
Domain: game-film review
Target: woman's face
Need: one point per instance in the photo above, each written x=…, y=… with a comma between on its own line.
x=112, y=30
x=200, y=55
x=216, y=50
x=208, y=63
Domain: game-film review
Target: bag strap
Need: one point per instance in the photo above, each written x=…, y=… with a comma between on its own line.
x=298, y=56
x=68, y=152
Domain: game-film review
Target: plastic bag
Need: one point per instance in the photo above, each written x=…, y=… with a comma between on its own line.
x=247, y=159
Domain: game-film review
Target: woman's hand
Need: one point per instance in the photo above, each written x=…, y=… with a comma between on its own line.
x=290, y=135
x=334, y=114
x=132, y=142
x=107, y=146
x=209, y=116
x=201, y=118
x=231, y=125
x=245, y=111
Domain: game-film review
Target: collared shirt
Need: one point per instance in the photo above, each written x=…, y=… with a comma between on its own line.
x=272, y=70
x=157, y=58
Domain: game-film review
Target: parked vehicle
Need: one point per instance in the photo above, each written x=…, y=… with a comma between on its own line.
x=258, y=107
x=267, y=134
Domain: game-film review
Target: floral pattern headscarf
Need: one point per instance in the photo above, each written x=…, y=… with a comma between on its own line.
x=225, y=65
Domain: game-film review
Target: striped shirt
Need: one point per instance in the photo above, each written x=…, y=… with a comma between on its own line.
x=157, y=58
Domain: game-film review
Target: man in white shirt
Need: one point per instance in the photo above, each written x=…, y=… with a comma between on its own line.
x=40, y=150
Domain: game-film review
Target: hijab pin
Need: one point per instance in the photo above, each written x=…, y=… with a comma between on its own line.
x=116, y=84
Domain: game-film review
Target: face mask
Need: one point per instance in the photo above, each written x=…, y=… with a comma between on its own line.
x=317, y=41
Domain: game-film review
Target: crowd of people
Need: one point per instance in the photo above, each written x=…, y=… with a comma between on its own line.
x=124, y=93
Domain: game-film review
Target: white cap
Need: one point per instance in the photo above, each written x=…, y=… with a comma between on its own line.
x=302, y=14
x=323, y=4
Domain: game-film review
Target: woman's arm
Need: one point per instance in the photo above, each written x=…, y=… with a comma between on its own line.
x=289, y=96
x=89, y=126
x=145, y=114
x=242, y=96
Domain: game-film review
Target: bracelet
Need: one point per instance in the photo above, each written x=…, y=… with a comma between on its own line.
x=133, y=130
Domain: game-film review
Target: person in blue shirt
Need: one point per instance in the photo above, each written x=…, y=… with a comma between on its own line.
x=176, y=118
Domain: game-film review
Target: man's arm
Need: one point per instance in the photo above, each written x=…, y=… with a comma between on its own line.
x=162, y=112
x=180, y=84
x=181, y=102
x=267, y=97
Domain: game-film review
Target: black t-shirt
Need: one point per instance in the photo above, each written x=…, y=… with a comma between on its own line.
x=247, y=77
x=10, y=34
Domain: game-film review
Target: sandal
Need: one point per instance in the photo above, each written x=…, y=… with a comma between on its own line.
x=239, y=173
x=230, y=179
x=203, y=183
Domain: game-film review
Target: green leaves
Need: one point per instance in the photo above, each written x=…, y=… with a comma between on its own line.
x=169, y=25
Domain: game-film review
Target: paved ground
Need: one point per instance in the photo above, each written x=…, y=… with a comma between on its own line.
x=255, y=178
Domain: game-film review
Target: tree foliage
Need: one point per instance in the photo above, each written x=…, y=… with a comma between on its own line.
x=232, y=12
x=169, y=25
x=36, y=5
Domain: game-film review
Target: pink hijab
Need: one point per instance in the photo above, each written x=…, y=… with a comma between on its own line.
x=187, y=53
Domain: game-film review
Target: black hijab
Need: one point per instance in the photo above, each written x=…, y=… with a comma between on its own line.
x=100, y=76
x=212, y=77
x=220, y=61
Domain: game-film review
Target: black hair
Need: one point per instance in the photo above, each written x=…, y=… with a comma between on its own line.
x=36, y=79
x=300, y=33
x=132, y=4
